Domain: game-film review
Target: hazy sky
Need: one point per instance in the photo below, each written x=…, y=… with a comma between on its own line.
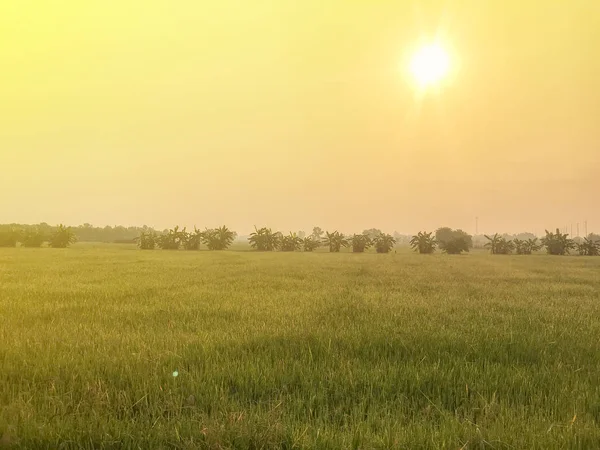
x=292, y=114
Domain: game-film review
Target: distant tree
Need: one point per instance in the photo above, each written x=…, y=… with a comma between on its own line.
x=455, y=246
x=526, y=247
x=384, y=243
x=594, y=237
x=147, y=240
x=499, y=245
x=589, y=247
x=62, y=237
x=218, y=238
x=33, y=238
x=444, y=234
x=525, y=236
x=557, y=243
x=291, y=243
x=466, y=236
x=264, y=239
x=402, y=238
x=372, y=233
x=452, y=241
x=335, y=241
x=360, y=242
x=171, y=239
x=317, y=233
x=310, y=243
x=9, y=237
x=424, y=243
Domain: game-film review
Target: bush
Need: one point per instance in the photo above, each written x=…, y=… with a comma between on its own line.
x=453, y=242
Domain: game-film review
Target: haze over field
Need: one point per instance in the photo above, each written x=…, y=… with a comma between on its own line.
x=294, y=114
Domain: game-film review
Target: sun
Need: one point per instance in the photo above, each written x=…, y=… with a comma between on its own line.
x=429, y=65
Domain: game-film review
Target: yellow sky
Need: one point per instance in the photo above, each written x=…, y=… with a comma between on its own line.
x=293, y=114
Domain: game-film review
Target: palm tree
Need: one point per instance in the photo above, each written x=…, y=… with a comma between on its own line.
x=264, y=239
x=360, y=242
x=384, y=243
x=290, y=243
x=424, y=243
x=335, y=241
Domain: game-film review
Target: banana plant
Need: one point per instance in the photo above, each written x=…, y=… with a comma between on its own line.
x=384, y=243
x=264, y=239
x=335, y=241
x=360, y=242
x=290, y=243
x=423, y=242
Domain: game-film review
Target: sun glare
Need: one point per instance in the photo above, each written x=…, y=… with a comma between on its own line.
x=429, y=65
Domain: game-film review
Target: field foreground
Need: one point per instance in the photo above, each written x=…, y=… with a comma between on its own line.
x=327, y=351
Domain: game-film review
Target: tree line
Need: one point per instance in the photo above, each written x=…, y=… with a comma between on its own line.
x=555, y=243
x=57, y=237
x=448, y=240
x=86, y=232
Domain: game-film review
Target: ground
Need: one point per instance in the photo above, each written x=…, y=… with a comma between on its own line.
x=297, y=350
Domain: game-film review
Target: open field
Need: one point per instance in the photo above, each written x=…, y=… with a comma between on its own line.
x=298, y=350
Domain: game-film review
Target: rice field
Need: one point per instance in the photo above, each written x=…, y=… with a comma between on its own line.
x=106, y=346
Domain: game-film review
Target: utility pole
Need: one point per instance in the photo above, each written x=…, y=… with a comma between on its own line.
x=476, y=226
x=586, y=233
x=577, y=229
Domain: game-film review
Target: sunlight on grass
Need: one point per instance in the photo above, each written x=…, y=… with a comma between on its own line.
x=112, y=346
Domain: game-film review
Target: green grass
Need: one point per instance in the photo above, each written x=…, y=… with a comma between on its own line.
x=297, y=350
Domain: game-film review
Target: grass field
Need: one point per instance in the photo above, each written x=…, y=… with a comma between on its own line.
x=327, y=351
